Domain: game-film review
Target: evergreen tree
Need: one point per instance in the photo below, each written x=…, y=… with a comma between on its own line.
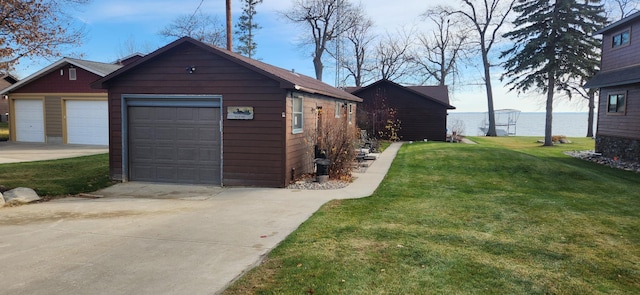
x=245, y=28
x=553, y=46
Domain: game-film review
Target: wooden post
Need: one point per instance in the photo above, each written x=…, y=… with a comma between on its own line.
x=229, y=34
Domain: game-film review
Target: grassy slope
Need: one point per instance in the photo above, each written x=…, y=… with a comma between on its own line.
x=470, y=219
x=58, y=177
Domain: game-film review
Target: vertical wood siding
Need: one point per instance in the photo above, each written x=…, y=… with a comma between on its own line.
x=623, y=56
x=252, y=150
x=626, y=125
x=419, y=117
x=53, y=116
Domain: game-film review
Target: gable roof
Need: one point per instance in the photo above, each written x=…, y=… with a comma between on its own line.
x=98, y=68
x=623, y=22
x=438, y=94
x=286, y=78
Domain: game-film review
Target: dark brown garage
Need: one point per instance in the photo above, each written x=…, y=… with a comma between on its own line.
x=192, y=113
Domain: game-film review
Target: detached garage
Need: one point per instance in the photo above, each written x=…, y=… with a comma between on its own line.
x=57, y=105
x=193, y=113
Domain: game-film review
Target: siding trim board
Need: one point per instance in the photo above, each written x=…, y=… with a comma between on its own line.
x=168, y=100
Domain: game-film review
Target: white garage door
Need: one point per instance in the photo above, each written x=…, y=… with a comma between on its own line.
x=87, y=122
x=29, y=118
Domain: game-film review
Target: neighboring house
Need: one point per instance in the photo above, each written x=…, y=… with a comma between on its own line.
x=421, y=110
x=57, y=105
x=618, y=131
x=5, y=81
x=193, y=113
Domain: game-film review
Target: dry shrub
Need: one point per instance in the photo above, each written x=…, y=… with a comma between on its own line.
x=338, y=139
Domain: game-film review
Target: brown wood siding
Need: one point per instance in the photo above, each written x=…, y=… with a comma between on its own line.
x=623, y=56
x=300, y=146
x=626, y=125
x=56, y=83
x=53, y=116
x=419, y=117
x=252, y=149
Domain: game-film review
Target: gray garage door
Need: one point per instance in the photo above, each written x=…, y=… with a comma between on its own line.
x=174, y=144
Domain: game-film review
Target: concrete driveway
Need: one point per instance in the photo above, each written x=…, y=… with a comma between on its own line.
x=15, y=152
x=156, y=239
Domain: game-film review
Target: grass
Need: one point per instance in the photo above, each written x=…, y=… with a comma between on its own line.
x=4, y=131
x=506, y=216
x=58, y=177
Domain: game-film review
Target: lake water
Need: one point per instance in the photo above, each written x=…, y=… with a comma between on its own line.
x=527, y=123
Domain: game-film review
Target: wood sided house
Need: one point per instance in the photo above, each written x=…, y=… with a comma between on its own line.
x=618, y=131
x=421, y=110
x=57, y=105
x=5, y=81
x=193, y=113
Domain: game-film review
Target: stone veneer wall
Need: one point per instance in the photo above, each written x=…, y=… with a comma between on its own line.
x=625, y=149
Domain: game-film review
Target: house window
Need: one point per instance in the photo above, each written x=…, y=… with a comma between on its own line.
x=297, y=123
x=338, y=109
x=350, y=113
x=616, y=103
x=620, y=39
x=72, y=74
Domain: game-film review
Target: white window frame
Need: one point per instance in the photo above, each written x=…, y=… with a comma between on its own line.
x=350, y=113
x=297, y=114
x=338, y=110
x=73, y=74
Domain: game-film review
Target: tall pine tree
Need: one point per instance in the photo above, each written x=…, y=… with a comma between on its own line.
x=246, y=27
x=553, y=45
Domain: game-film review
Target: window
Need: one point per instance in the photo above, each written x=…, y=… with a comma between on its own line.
x=350, y=113
x=616, y=103
x=72, y=74
x=338, y=109
x=620, y=39
x=297, y=117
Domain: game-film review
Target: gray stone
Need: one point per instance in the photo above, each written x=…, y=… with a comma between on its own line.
x=21, y=195
x=1, y=200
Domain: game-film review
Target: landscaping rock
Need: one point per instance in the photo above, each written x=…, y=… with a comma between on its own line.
x=1, y=200
x=21, y=195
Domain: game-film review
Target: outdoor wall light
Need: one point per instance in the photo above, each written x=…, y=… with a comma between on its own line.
x=191, y=69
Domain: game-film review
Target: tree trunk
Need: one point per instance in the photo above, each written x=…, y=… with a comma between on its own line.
x=487, y=83
x=548, y=141
x=592, y=106
x=317, y=65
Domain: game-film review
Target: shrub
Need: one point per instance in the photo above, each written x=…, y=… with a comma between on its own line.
x=338, y=139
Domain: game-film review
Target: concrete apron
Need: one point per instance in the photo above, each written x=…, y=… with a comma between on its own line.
x=156, y=239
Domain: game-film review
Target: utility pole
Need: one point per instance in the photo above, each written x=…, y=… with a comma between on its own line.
x=229, y=27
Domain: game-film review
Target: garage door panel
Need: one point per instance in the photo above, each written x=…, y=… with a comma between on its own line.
x=174, y=144
x=87, y=122
x=29, y=120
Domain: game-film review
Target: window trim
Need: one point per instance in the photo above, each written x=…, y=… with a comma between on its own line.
x=295, y=130
x=338, y=110
x=618, y=112
x=620, y=33
x=73, y=75
x=350, y=113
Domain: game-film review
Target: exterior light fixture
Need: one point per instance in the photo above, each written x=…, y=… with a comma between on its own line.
x=191, y=69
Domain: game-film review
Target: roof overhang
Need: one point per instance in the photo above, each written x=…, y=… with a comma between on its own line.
x=625, y=76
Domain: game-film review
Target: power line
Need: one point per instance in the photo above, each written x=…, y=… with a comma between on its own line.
x=195, y=11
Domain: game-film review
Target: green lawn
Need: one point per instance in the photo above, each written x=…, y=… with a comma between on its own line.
x=505, y=216
x=4, y=131
x=58, y=177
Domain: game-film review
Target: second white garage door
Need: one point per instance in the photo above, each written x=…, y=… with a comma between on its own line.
x=87, y=122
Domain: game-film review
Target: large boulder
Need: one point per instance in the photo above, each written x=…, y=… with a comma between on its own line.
x=1, y=200
x=21, y=195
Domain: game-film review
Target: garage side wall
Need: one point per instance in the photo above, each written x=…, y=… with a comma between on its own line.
x=300, y=145
x=253, y=149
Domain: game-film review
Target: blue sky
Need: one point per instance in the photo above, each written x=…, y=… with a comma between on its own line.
x=110, y=24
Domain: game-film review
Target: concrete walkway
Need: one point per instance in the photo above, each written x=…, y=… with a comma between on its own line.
x=156, y=239
x=16, y=152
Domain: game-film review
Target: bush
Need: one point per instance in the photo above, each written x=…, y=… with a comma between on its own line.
x=338, y=140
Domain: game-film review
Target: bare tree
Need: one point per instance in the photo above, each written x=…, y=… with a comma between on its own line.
x=356, y=61
x=200, y=26
x=439, y=50
x=486, y=18
x=35, y=29
x=619, y=9
x=393, y=56
x=326, y=19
